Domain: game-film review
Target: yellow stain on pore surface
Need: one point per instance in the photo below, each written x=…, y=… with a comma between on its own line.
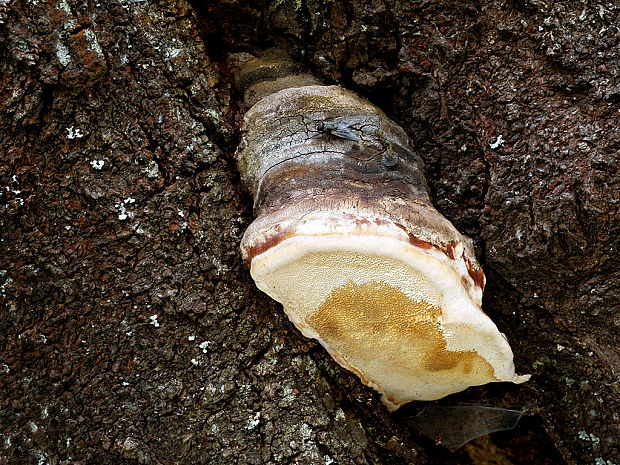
x=387, y=336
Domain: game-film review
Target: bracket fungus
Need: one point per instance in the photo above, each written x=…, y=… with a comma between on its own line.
x=347, y=240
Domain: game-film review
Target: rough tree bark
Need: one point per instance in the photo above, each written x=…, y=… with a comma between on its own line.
x=130, y=331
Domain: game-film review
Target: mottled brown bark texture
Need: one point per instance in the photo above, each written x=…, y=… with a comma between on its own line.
x=130, y=330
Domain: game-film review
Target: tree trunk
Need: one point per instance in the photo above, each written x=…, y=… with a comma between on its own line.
x=130, y=329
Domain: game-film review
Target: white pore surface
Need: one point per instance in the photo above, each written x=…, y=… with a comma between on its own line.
x=289, y=274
